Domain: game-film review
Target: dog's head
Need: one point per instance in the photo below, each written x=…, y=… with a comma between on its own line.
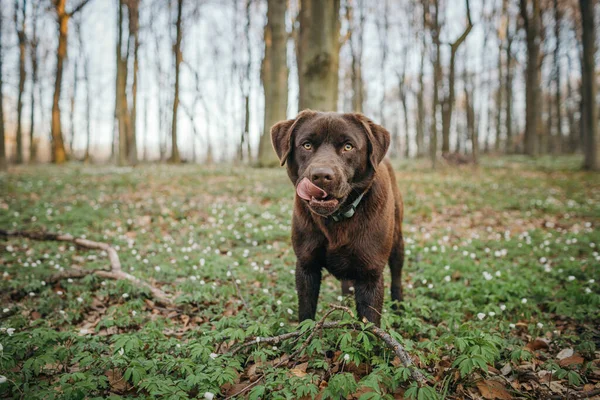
x=329, y=155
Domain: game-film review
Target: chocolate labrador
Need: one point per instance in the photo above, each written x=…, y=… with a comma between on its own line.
x=348, y=209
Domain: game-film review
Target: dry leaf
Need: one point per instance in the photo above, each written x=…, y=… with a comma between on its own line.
x=300, y=370
x=564, y=353
x=491, y=390
x=537, y=344
x=574, y=359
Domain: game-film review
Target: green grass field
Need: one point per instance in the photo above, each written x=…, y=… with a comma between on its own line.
x=502, y=287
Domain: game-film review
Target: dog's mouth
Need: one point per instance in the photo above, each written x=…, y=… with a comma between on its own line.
x=318, y=199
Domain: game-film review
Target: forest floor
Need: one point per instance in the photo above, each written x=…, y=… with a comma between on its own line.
x=501, y=283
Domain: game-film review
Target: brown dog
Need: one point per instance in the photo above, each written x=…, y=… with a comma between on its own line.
x=348, y=209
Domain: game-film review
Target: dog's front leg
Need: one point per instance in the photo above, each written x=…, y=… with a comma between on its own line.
x=369, y=299
x=308, y=284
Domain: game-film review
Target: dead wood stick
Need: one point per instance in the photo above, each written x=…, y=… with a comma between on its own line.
x=115, y=272
x=392, y=343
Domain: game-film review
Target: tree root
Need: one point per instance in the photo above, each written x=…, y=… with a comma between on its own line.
x=115, y=272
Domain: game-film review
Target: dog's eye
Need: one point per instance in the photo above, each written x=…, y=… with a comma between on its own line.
x=348, y=147
x=307, y=146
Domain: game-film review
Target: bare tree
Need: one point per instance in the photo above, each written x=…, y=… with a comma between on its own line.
x=274, y=76
x=20, y=17
x=558, y=16
x=59, y=155
x=508, y=87
x=33, y=55
x=532, y=21
x=383, y=27
x=420, y=139
x=175, y=158
x=448, y=102
x=318, y=54
x=588, y=86
x=3, y=163
x=356, y=43
x=432, y=22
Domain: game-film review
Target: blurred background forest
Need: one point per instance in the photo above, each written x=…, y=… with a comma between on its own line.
x=130, y=81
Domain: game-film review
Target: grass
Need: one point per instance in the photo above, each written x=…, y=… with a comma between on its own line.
x=502, y=286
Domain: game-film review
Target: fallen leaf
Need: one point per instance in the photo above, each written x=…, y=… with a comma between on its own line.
x=115, y=378
x=574, y=359
x=564, y=353
x=300, y=370
x=507, y=369
x=537, y=344
x=491, y=390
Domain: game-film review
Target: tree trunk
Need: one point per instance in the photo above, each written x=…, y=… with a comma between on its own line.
x=558, y=139
x=20, y=7
x=318, y=54
x=175, y=158
x=421, y=107
x=3, y=163
x=59, y=154
x=588, y=92
x=508, y=86
x=470, y=109
x=532, y=22
x=383, y=29
x=121, y=105
x=72, y=111
x=574, y=132
x=88, y=108
x=133, y=12
x=448, y=104
x=274, y=75
x=33, y=54
x=356, y=42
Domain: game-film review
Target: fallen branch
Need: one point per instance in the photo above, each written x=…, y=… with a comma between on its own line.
x=392, y=343
x=115, y=272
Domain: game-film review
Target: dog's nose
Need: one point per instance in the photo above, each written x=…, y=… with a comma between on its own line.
x=321, y=175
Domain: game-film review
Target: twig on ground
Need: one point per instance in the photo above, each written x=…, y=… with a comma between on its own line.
x=115, y=272
x=392, y=343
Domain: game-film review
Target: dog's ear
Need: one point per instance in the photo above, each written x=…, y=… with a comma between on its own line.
x=282, y=134
x=378, y=138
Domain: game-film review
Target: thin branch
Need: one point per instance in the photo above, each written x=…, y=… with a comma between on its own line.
x=115, y=272
x=78, y=8
x=392, y=343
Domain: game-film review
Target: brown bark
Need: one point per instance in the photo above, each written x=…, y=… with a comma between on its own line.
x=558, y=138
x=244, y=145
x=33, y=54
x=383, y=29
x=3, y=163
x=433, y=23
x=133, y=12
x=508, y=87
x=318, y=54
x=588, y=87
x=59, y=155
x=421, y=106
x=121, y=104
x=574, y=131
x=20, y=8
x=448, y=104
x=532, y=23
x=402, y=89
x=274, y=75
x=356, y=42
x=175, y=158
x=470, y=110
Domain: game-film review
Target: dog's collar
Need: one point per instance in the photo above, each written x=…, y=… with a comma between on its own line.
x=349, y=211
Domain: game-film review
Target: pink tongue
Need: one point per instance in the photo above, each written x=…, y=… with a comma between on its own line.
x=307, y=190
